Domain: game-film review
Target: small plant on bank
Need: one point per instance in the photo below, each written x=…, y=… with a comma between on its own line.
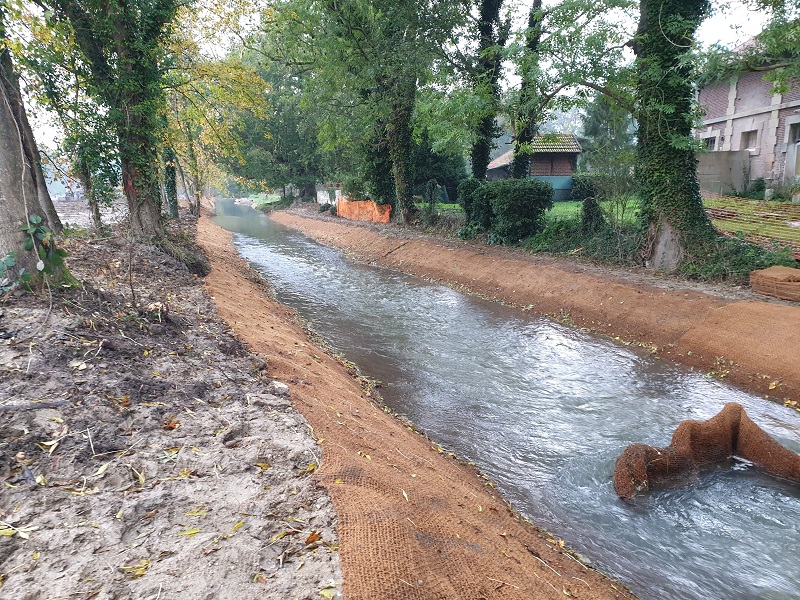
x=732, y=259
x=325, y=207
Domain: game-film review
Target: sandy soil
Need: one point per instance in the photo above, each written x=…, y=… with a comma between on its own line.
x=144, y=452
x=413, y=521
x=730, y=333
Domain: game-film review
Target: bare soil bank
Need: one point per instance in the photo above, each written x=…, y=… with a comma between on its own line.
x=750, y=340
x=144, y=452
x=414, y=523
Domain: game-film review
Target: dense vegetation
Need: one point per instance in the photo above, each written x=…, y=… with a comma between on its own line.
x=386, y=97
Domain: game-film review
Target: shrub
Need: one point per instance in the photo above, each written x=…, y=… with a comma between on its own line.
x=592, y=218
x=464, y=195
x=325, y=207
x=583, y=186
x=332, y=210
x=517, y=207
x=732, y=259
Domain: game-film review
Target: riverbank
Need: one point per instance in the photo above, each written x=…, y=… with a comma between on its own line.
x=144, y=452
x=732, y=334
x=413, y=522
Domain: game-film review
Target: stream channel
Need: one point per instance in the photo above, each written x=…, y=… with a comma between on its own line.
x=544, y=410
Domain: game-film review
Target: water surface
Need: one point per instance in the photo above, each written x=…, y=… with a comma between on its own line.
x=545, y=410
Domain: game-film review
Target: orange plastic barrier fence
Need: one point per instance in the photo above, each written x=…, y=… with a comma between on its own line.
x=363, y=210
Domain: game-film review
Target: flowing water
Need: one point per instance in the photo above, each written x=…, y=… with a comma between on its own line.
x=545, y=410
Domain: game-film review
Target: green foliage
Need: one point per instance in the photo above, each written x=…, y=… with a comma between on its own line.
x=666, y=167
x=517, y=207
x=325, y=207
x=592, y=218
x=477, y=206
x=40, y=240
x=333, y=210
x=568, y=236
x=733, y=259
x=754, y=191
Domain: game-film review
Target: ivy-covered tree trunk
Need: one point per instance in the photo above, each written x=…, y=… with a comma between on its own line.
x=121, y=43
x=140, y=183
x=666, y=167
x=528, y=117
x=493, y=36
x=170, y=182
x=399, y=132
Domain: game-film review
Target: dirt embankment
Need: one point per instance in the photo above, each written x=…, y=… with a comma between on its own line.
x=413, y=522
x=144, y=452
x=732, y=334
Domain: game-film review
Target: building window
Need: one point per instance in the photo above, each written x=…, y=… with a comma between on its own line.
x=710, y=143
x=749, y=140
x=794, y=133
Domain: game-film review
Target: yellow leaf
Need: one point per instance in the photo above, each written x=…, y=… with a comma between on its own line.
x=405, y=495
x=102, y=470
x=40, y=479
x=137, y=570
x=339, y=481
x=262, y=467
x=773, y=385
x=190, y=532
x=197, y=512
x=237, y=526
x=327, y=593
x=8, y=531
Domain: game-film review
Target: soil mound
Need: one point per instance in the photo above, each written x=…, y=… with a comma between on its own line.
x=696, y=444
x=781, y=282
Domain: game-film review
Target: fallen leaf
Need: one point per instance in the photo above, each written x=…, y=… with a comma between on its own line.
x=137, y=570
x=172, y=423
x=262, y=467
x=101, y=471
x=327, y=593
x=190, y=532
x=197, y=512
x=313, y=537
x=237, y=526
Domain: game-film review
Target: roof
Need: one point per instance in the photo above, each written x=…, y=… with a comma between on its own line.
x=566, y=143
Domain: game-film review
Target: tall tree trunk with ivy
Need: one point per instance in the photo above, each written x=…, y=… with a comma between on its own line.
x=121, y=43
x=493, y=35
x=527, y=116
x=666, y=166
x=403, y=95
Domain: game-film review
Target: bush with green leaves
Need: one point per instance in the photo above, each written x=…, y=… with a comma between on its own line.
x=325, y=207
x=732, y=259
x=517, y=207
x=464, y=195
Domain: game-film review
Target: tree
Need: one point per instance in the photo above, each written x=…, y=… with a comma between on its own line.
x=122, y=44
x=492, y=37
x=666, y=167
x=21, y=178
x=609, y=144
x=567, y=50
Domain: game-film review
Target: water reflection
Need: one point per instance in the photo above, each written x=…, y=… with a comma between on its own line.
x=545, y=410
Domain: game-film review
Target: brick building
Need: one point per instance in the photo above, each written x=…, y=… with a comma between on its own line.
x=750, y=133
x=554, y=159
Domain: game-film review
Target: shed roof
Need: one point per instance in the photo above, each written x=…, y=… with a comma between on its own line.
x=566, y=143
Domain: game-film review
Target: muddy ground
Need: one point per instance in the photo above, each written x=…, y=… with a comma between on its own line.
x=144, y=452
x=728, y=332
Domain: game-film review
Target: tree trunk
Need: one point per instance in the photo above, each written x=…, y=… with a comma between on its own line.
x=17, y=192
x=528, y=118
x=89, y=191
x=400, y=148
x=170, y=182
x=9, y=81
x=141, y=191
x=666, y=167
x=488, y=67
